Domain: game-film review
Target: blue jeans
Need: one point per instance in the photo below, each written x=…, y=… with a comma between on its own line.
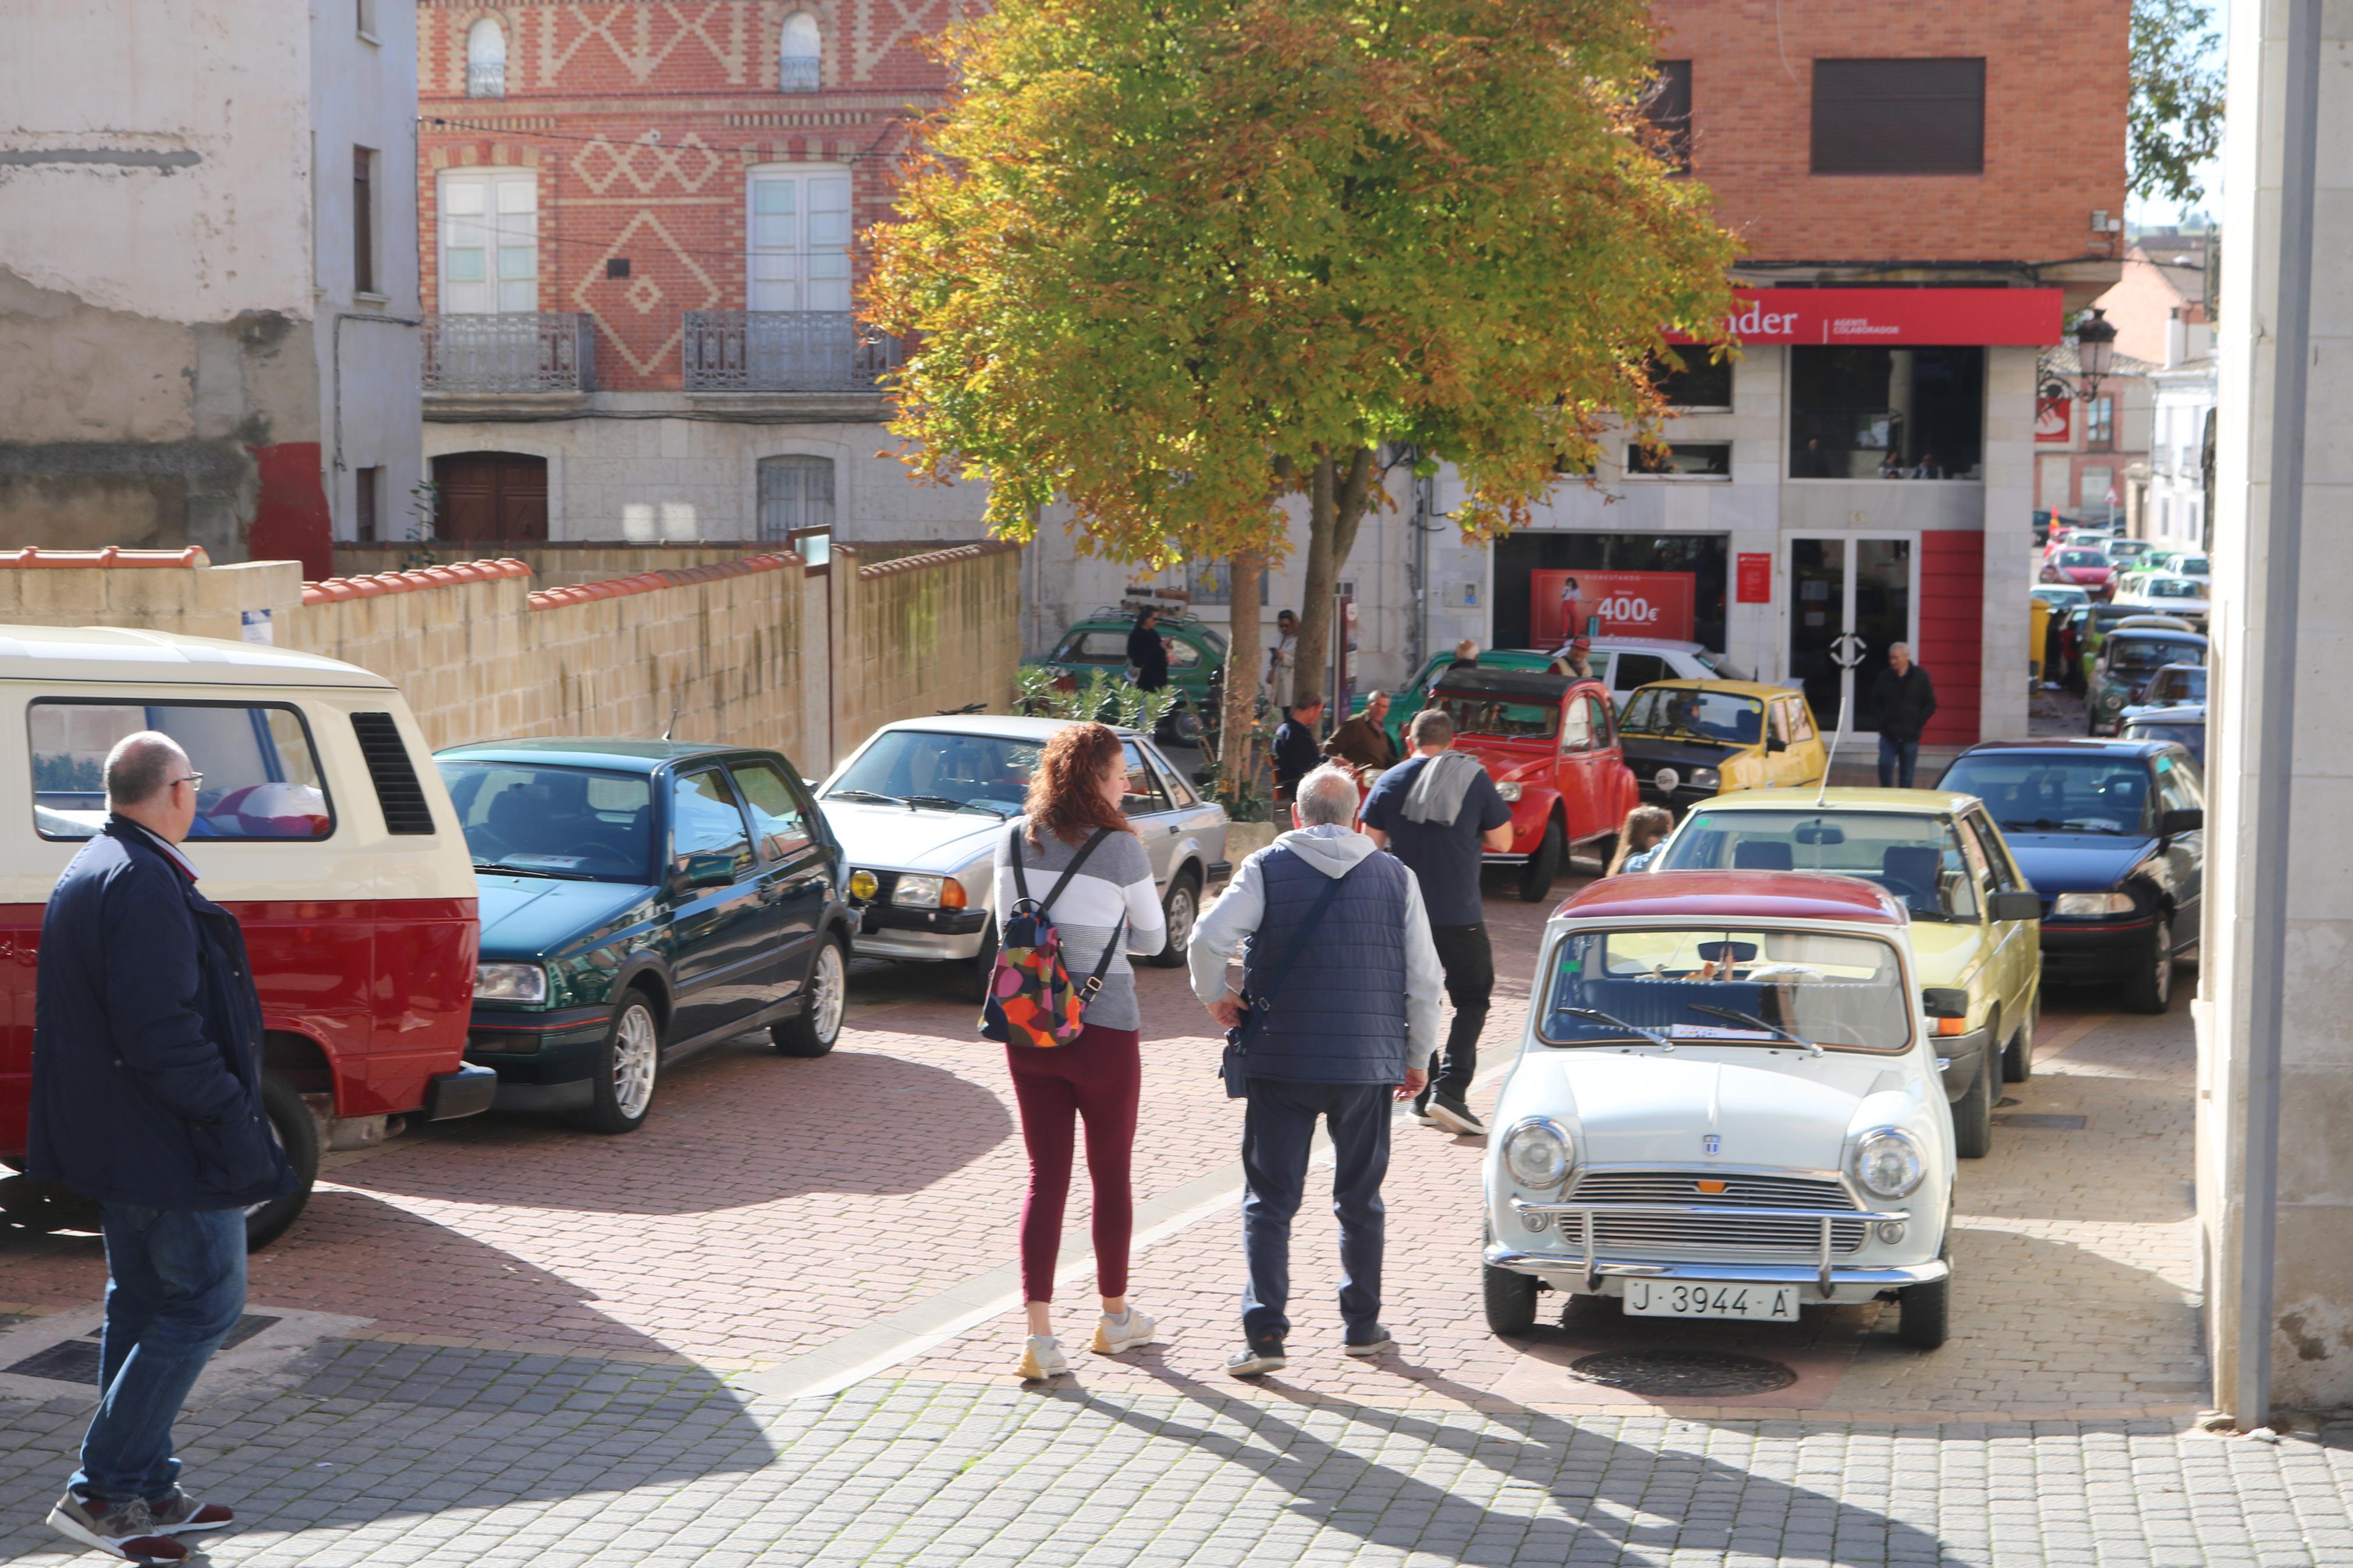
x=174, y=1288
x=1897, y=759
x=1278, y=1130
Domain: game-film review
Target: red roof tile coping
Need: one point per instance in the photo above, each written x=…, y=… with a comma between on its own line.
x=937, y=557
x=662, y=577
x=334, y=590
x=114, y=556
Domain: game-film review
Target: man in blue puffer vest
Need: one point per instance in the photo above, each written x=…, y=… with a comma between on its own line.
x=1337, y=1039
x=147, y=1098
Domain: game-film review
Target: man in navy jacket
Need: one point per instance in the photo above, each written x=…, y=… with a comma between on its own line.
x=147, y=1098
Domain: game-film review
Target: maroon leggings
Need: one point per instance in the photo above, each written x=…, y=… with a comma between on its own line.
x=1097, y=1076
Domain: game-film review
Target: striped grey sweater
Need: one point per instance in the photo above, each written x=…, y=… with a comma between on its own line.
x=1116, y=882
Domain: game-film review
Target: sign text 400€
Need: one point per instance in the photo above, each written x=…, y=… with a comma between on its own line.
x=1562, y=605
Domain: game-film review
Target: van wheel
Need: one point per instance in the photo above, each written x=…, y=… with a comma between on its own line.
x=1973, y=1112
x=1182, y=909
x=813, y=1031
x=2018, y=1058
x=621, y=1089
x=1537, y=877
x=298, y=1136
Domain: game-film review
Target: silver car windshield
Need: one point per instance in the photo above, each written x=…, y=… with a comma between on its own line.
x=1727, y=986
x=941, y=770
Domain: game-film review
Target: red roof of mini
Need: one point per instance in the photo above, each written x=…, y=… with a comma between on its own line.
x=1738, y=895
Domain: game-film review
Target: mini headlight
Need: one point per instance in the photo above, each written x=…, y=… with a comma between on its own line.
x=509, y=983
x=917, y=892
x=2113, y=699
x=1508, y=790
x=1666, y=779
x=863, y=885
x=1705, y=778
x=2092, y=904
x=1887, y=1163
x=1537, y=1153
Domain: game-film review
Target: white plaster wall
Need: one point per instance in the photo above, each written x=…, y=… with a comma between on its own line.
x=2009, y=553
x=700, y=477
x=145, y=88
x=364, y=92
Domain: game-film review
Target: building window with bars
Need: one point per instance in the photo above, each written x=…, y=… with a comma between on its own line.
x=367, y=493
x=486, y=59
x=363, y=220
x=800, y=55
x=1899, y=116
x=1668, y=107
x=795, y=494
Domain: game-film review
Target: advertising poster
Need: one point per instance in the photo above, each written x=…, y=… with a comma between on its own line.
x=1615, y=604
x=1755, y=579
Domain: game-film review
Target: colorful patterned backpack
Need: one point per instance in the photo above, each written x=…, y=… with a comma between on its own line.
x=1032, y=1001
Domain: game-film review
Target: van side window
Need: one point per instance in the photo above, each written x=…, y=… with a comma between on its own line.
x=261, y=777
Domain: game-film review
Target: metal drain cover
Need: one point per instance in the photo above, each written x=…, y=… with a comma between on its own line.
x=2045, y=1120
x=75, y=1361
x=1683, y=1374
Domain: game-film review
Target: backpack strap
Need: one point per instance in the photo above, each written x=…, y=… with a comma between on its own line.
x=1068, y=871
x=1093, y=983
x=1020, y=882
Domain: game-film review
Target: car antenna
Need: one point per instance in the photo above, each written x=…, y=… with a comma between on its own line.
x=676, y=703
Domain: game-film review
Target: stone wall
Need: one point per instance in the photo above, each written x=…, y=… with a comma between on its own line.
x=755, y=650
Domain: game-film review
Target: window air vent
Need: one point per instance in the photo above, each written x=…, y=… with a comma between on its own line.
x=405, y=809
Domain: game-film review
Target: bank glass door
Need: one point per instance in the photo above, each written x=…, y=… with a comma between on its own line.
x=1840, y=585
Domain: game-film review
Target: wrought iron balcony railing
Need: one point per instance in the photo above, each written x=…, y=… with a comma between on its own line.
x=522, y=351
x=783, y=350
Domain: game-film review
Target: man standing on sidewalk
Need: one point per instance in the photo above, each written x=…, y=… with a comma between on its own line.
x=1345, y=1000
x=1907, y=700
x=147, y=1098
x=1437, y=812
x=1297, y=749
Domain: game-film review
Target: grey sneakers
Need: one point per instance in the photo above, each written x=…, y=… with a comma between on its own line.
x=1261, y=1357
x=127, y=1530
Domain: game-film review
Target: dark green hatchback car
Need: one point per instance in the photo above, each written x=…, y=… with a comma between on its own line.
x=640, y=899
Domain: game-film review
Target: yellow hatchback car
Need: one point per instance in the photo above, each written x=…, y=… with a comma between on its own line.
x=1977, y=925
x=1688, y=740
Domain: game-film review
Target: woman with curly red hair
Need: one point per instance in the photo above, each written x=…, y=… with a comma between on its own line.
x=1075, y=795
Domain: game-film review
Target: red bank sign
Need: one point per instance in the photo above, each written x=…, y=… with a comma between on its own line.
x=1625, y=604
x=1954, y=316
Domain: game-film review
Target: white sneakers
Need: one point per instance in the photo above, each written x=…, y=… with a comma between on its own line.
x=1113, y=1335
x=1042, y=1357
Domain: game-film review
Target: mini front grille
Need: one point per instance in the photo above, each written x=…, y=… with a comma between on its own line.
x=1652, y=1235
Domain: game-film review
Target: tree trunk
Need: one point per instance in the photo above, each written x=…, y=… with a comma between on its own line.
x=1245, y=675
x=1336, y=498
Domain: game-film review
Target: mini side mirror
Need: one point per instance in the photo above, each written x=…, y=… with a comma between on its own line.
x=2180, y=819
x=2015, y=906
x=1945, y=1002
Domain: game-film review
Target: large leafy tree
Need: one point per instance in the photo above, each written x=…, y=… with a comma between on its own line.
x=2176, y=116
x=1180, y=262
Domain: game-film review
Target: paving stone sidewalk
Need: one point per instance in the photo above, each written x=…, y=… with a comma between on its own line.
x=401, y=1455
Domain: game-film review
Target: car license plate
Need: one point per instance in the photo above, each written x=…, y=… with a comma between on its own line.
x=1705, y=1299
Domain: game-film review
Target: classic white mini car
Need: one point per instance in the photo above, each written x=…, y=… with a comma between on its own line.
x=1727, y=1105
x=917, y=808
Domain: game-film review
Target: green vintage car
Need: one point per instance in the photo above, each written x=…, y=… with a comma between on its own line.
x=639, y=899
x=1410, y=699
x=2129, y=655
x=1196, y=661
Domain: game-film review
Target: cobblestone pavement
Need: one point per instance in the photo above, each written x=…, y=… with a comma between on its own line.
x=575, y=1347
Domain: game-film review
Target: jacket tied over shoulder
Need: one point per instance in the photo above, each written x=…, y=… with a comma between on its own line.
x=147, y=1038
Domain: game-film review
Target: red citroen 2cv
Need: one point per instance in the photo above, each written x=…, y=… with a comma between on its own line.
x=1550, y=744
x=321, y=823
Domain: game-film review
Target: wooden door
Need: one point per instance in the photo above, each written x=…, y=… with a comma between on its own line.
x=497, y=496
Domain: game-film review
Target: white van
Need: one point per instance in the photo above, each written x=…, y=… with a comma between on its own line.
x=322, y=825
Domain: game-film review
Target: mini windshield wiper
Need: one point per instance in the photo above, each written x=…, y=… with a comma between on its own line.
x=1594, y=1015
x=505, y=871
x=863, y=795
x=943, y=803
x=1754, y=1022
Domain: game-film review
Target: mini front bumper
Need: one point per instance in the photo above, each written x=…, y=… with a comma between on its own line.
x=1576, y=1224
x=1852, y=1283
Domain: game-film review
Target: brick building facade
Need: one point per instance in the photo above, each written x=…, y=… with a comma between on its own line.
x=639, y=224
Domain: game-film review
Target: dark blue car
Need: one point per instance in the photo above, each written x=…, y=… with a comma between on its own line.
x=2112, y=834
x=640, y=899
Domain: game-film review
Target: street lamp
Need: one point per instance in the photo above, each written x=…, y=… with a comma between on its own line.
x=2095, y=347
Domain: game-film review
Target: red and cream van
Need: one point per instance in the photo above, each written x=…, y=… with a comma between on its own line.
x=321, y=823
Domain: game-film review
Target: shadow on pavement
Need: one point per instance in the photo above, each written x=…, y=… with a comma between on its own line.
x=735, y=1126
x=1678, y=1503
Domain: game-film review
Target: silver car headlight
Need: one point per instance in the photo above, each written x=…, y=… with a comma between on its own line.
x=1507, y=791
x=1537, y=1153
x=2083, y=904
x=1887, y=1162
x=509, y=983
x=917, y=892
x=1705, y=778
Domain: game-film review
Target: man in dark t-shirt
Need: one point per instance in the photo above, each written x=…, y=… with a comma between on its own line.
x=1440, y=824
x=1298, y=750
